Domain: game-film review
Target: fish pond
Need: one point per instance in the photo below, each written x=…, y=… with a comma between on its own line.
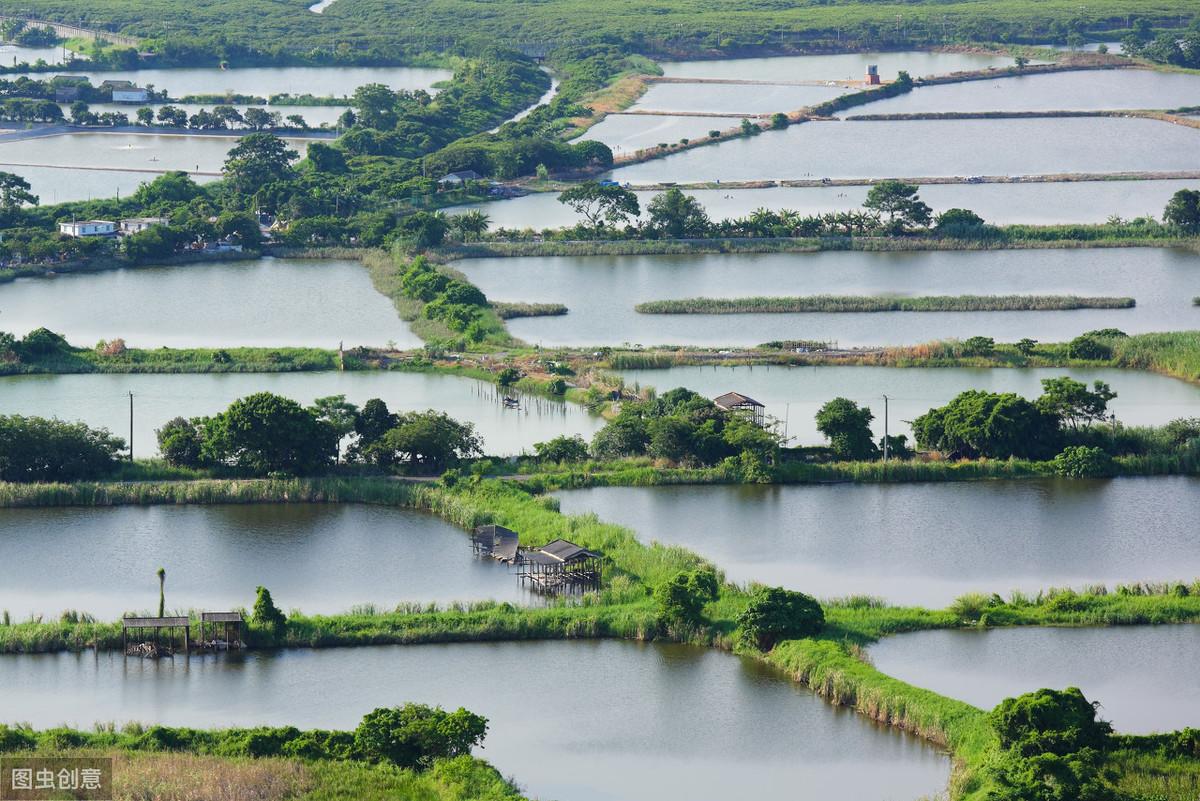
x=102, y=400
x=964, y=147
x=835, y=67
x=793, y=395
x=265, y=302
x=1084, y=90
x=613, y=721
x=1144, y=677
x=921, y=543
x=82, y=166
x=319, y=558
x=1038, y=203
x=600, y=293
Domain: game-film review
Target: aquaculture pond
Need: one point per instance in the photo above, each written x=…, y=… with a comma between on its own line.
x=629, y=132
x=835, y=67
x=219, y=304
x=583, y=720
x=80, y=166
x=1144, y=677
x=319, y=558
x=727, y=98
x=11, y=55
x=1043, y=203
x=601, y=292
x=793, y=395
x=265, y=81
x=102, y=400
x=850, y=149
x=1060, y=91
x=921, y=543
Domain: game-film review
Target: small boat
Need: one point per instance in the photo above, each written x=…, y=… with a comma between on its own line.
x=511, y=403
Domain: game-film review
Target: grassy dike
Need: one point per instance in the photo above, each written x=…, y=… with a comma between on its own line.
x=831, y=664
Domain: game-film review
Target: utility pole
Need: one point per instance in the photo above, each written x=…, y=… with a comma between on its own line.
x=131, y=427
x=885, y=429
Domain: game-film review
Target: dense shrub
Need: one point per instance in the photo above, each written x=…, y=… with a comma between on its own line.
x=413, y=735
x=775, y=614
x=681, y=598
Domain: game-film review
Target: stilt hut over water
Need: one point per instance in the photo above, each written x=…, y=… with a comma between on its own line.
x=228, y=624
x=154, y=648
x=744, y=405
x=498, y=542
x=560, y=566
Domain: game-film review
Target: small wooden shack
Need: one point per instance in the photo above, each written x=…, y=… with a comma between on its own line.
x=498, y=542
x=744, y=405
x=228, y=624
x=560, y=566
x=153, y=648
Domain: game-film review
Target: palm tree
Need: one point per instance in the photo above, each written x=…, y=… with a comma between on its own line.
x=162, y=601
x=473, y=224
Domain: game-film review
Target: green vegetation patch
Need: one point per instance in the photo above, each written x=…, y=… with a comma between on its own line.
x=860, y=303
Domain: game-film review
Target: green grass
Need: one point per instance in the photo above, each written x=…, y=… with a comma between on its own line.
x=511, y=311
x=862, y=303
x=180, y=360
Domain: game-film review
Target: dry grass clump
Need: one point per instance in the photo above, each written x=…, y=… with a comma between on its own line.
x=188, y=777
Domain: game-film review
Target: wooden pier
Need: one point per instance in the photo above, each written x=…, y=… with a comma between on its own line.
x=557, y=567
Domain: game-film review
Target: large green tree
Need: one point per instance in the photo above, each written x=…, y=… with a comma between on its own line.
x=1183, y=210
x=256, y=160
x=265, y=433
x=14, y=193
x=900, y=202
x=677, y=215
x=978, y=423
x=38, y=449
x=601, y=204
x=429, y=441
x=1072, y=402
x=847, y=426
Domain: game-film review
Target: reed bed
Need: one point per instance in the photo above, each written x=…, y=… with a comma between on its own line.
x=511, y=311
x=863, y=303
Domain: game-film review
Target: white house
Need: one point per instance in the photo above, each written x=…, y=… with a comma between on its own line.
x=459, y=178
x=88, y=228
x=135, y=224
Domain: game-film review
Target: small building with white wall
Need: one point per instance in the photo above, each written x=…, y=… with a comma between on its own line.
x=88, y=228
x=135, y=225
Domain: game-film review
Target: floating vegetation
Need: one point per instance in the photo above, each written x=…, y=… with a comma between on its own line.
x=863, y=303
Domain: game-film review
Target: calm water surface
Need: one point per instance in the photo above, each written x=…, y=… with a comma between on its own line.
x=268, y=302
x=1086, y=90
x=12, y=55
x=601, y=293
x=834, y=67
x=922, y=543
x=1036, y=203
x=313, y=557
x=263, y=81
x=80, y=166
x=796, y=393
x=614, y=721
x=628, y=132
x=1144, y=677
x=918, y=148
x=102, y=400
x=734, y=98
x=60, y=184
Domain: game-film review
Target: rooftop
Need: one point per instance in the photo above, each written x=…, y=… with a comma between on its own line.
x=734, y=400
